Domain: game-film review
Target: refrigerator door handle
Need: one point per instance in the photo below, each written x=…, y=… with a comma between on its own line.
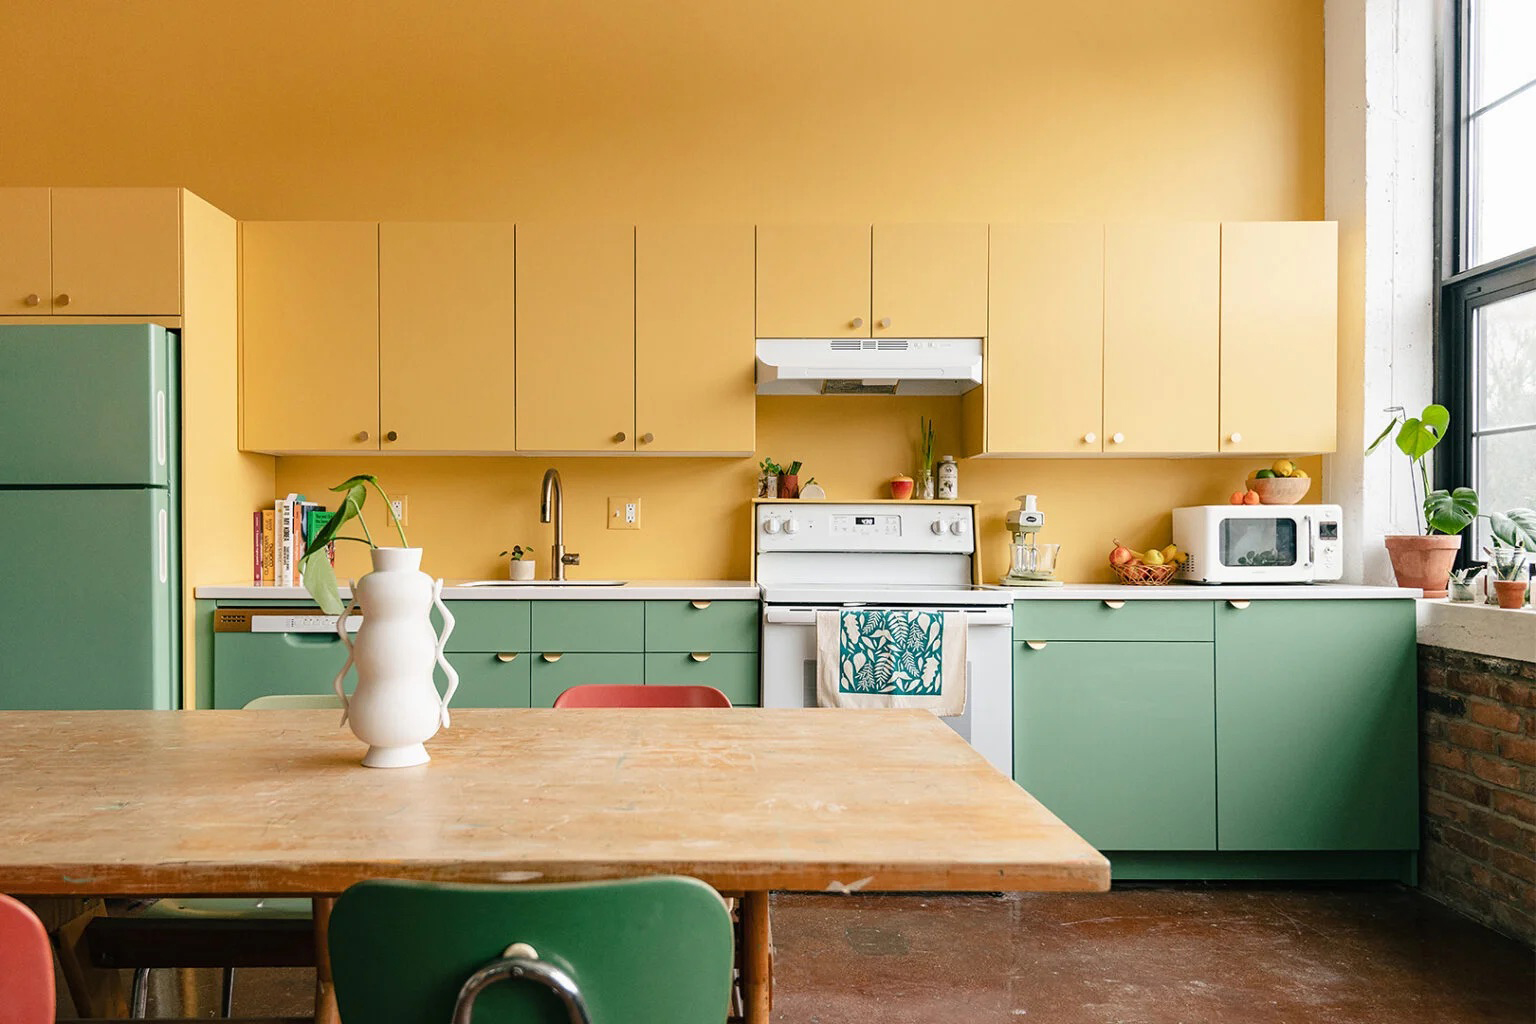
x=164, y=539
x=161, y=441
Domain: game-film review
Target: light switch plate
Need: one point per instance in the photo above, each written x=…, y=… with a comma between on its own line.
x=623, y=513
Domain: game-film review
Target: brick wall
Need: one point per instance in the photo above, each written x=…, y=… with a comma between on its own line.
x=1478, y=753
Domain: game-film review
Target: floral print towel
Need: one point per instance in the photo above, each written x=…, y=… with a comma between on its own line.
x=891, y=658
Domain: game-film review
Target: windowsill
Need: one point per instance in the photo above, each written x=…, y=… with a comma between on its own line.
x=1478, y=629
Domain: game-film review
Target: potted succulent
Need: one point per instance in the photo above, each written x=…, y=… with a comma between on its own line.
x=789, y=481
x=1463, y=582
x=768, y=478
x=520, y=565
x=1507, y=565
x=1423, y=561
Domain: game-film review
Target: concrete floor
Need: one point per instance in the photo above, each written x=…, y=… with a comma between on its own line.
x=1138, y=955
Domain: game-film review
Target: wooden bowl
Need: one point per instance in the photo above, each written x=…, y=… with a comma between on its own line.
x=1280, y=490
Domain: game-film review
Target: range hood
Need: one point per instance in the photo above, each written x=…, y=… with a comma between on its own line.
x=868, y=366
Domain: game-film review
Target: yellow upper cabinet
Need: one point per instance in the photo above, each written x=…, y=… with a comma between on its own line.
x=813, y=281
x=446, y=354
x=309, y=336
x=90, y=252
x=1279, y=337
x=575, y=338
x=1162, y=299
x=26, y=272
x=929, y=280
x=1045, y=339
x=694, y=391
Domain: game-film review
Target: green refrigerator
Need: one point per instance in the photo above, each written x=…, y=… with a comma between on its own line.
x=89, y=521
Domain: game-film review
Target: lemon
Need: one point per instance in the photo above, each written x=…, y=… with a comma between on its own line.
x=1300, y=474
x=1153, y=557
x=1285, y=467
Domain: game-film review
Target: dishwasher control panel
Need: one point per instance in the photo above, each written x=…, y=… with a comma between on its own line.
x=279, y=620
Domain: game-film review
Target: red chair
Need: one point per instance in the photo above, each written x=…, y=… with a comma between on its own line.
x=619, y=695
x=26, y=966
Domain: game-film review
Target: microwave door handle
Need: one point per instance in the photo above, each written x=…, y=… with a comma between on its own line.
x=1311, y=541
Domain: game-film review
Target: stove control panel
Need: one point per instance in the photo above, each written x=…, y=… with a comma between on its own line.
x=919, y=527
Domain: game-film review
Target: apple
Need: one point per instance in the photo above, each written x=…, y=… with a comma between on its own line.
x=1121, y=555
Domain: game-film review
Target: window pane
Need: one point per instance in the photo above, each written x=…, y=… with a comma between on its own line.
x=1504, y=48
x=1506, y=476
x=1503, y=206
x=1504, y=347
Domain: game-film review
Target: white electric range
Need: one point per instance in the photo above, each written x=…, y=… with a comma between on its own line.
x=911, y=555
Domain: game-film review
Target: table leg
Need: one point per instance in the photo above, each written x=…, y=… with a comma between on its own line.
x=325, y=991
x=757, y=961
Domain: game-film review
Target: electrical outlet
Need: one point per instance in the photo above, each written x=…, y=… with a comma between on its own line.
x=623, y=513
x=401, y=510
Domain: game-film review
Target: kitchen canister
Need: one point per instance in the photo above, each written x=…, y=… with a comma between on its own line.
x=949, y=479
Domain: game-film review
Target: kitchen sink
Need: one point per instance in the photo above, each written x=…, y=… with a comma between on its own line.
x=543, y=583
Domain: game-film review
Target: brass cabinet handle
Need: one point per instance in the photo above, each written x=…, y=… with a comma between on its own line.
x=32, y=299
x=1116, y=605
x=618, y=437
x=552, y=658
x=700, y=605
x=391, y=436
x=647, y=438
x=856, y=322
x=1035, y=645
x=362, y=435
x=1239, y=605
x=700, y=656
x=506, y=656
x=63, y=299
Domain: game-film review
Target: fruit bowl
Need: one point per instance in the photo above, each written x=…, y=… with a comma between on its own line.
x=1280, y=490
x=1140, y=574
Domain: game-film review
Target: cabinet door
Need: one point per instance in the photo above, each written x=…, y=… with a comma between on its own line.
x=735, y=675
x=116, y=251
x=1162, y=297
x=251, y=665
x=26, y=277
x=446, y=358
x=309, y=347
x=562, y=626
x=575, y=338
x=929, y=280
x=1316, y=725
x=1117, y=739
x=553, y=674
x=486, y=680
x=1045, y=338
x=694, y=390
x=1279, y=337
x=813, y=281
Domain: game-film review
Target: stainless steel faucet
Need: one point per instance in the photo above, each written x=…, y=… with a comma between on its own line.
x=552, y=501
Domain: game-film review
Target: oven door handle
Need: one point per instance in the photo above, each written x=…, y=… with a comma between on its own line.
x=807, y=616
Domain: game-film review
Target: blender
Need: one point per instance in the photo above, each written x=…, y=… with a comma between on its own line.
x=1030, y=564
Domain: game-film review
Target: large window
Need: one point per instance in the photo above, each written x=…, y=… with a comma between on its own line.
x=1487, y=353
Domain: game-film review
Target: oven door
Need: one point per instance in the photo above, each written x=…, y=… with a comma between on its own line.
x=789, y=673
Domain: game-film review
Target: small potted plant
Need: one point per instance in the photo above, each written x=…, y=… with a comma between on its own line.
x=789, y=481
x=925, y=488
x=768, y=478
x=1423, y=561
x=520, y=565
x=1463, y=583
x=1507, y=564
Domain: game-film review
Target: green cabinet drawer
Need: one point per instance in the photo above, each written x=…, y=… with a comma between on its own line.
x=251, y=665
x=701, y=625
x=553, y=674
x=489, y=681
x=735, y=675
x=564, y=626
x=488, y=625
x=1317, y=725
x=1131, y=619
x=1118, y=740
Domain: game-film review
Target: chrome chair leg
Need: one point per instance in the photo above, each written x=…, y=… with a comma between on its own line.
x=227, y=995
x=139, y=999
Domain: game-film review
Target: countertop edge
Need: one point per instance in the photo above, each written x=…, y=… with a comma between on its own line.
x=1220, y=592
x=637, y=590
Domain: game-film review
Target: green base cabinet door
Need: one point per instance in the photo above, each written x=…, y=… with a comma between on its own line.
x=734, y=675
x=499, y=680
x=1118, y=740
x=553, y=674
x=251, y=665
x=1317, y=725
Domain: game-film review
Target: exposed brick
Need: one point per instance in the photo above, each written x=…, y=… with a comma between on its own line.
x=1494, y=716
x=1521, y=865
x=1496, y=882
x=1456, y=785
x=1446, y=756
x=1469, y=845
x=1516, y=805
x=1520, y=694
x=1472, y=737
x=1505, y=832
x=1491, y=769
x=1438, y=805
x=1431, y=676
x=1476, y=684
x=1518, y=748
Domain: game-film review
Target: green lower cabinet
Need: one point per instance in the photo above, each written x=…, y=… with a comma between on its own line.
x=487, y=680
x=251, y=665
x=734, y=675
x=1118, y=740
x=701, y=625
x=487, y=626
x=553, y=674
x=588, y=626
x=1316, y=724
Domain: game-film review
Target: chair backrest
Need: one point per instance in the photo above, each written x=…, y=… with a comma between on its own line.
x=640, y=950
x=26, y=966
x=619, y=695
x=293, y=702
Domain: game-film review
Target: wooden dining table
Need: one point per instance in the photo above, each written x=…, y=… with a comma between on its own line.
x=191, y=803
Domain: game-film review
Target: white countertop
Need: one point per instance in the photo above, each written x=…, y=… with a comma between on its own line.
x=505, y=590
x=1203, y=592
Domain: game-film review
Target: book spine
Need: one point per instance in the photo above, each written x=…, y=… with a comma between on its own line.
x=256, y=546
x=268, y=545
x=285, y=543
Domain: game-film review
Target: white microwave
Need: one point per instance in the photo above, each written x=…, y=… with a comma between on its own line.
x=1259, y=543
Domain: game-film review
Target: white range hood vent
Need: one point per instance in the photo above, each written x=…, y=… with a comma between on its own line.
x=868, y=366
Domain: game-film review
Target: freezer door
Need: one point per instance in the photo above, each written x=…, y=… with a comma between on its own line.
x=85, y=616
x=86, y=405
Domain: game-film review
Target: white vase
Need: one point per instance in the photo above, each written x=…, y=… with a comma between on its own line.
x=395, y=707
x=520, y=569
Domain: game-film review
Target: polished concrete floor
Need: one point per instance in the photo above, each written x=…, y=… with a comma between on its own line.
x=1137, y=955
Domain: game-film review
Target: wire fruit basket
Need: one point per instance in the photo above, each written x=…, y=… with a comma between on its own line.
x=1139, y=574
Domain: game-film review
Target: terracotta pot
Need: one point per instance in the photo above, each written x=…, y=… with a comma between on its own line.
x=1511, y=593
x=789, y=485
x=1424, y=563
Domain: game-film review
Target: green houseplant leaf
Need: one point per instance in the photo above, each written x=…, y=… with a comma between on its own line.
x=1417, y=437
x=1515, y=528
x=1450, y=511
x=316, y=572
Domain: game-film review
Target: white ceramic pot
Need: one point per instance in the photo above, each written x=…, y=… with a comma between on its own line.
x=395, y=707
x=520, y=569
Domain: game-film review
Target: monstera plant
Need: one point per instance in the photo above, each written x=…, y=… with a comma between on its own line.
x=1424, y=561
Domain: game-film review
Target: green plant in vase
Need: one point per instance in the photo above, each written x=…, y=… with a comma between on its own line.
x=1423, y=561
x=316, y=573
x=925, y=458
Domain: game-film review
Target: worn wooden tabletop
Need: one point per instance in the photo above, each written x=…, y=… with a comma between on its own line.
x=229, y=802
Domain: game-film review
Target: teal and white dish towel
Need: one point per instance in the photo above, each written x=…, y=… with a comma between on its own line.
x=891, y=658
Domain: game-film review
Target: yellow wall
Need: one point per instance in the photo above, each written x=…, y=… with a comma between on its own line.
x=860, y=110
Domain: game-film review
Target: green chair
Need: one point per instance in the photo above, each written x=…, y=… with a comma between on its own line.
x=640, y=950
